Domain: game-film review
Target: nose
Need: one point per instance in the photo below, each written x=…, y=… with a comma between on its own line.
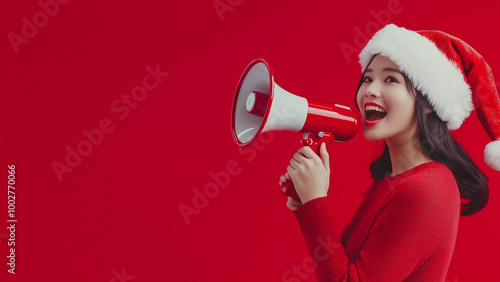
x=372, y=91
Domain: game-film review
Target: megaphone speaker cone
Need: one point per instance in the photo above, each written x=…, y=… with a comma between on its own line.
x=246, y=125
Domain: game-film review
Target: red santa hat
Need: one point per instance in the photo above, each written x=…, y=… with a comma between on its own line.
x=450, y=73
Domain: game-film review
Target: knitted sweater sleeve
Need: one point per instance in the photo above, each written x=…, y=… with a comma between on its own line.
x=409, y=226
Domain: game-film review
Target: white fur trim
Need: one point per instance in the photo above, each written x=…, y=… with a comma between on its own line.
x=492, y=155
x=438, y=78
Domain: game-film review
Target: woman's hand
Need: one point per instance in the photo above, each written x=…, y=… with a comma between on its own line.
x=310, y=174
x=292, y=203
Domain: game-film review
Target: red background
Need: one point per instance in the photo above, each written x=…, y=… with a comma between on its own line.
x=116, y=215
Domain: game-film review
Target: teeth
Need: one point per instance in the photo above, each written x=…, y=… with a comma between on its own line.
x=374, y=108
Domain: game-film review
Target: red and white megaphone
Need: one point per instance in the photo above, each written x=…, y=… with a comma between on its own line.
x=260, y=105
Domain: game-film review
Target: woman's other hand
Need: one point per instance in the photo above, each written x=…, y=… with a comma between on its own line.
x=293, y=203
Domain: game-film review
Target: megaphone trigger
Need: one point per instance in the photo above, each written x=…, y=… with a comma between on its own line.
x=315, y=139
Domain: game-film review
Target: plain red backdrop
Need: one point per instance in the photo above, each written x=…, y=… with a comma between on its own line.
x=116, y=216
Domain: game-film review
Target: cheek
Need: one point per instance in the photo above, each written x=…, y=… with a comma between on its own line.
x=359, y=103
x=402, y=111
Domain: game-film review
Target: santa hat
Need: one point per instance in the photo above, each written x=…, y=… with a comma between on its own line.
x=446, y=70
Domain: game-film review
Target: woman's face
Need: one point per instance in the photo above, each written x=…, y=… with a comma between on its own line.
x=386, y=106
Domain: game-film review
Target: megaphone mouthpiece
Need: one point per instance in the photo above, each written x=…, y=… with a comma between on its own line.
x=337, y=119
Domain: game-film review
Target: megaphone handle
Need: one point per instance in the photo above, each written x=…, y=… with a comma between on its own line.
x=313, y=140
x=288, y=189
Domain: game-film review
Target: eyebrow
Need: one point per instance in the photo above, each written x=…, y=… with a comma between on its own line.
x=386, y=69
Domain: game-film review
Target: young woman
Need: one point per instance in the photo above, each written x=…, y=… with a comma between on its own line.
x=415, y=87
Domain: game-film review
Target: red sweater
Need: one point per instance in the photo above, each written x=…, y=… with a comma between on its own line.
x=405, y=229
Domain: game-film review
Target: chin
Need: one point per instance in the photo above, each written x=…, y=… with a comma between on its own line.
x=372, y=136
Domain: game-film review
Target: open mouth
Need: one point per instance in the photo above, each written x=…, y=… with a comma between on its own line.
x=374, y=112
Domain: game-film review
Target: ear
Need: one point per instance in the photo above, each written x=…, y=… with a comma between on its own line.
x=428, y=110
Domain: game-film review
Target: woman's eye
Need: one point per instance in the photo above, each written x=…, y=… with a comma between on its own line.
x=390, y=79
x=367, y=79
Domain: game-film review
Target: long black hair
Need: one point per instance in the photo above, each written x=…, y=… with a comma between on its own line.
x=436, y=141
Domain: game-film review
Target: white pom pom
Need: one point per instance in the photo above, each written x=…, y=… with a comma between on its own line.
x=492, y=155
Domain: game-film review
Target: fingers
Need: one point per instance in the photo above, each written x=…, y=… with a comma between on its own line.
x=299, y=157
x=325, y=157
x=293, y=203
x=294, y=163
x=303, y=157
x=307, y=152
x=283, y=180
x=298, y=160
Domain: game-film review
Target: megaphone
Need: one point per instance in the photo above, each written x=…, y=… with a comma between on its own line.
x=260, y=105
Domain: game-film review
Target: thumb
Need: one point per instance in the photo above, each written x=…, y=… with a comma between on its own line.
x=325, y=157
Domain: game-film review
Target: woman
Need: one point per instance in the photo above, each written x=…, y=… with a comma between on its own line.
x=415, y=87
